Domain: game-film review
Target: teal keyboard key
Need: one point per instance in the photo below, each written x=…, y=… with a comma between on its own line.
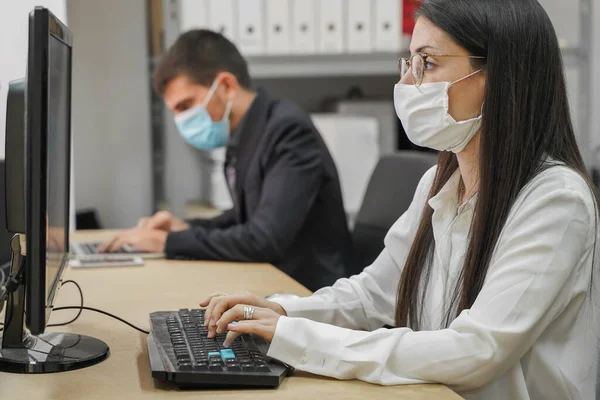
x=227, y=354
x=214, y=353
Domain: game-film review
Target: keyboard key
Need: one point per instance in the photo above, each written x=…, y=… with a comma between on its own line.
x=263, y=368
x=200, y=367
x=185, y=366
x=248, y=367
x=215, y=360
x=215, y=367
x=227, y=354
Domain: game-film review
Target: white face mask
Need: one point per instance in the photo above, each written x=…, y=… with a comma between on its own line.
x=423, y=111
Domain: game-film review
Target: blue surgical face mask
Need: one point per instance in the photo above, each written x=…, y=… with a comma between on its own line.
x=199, y=130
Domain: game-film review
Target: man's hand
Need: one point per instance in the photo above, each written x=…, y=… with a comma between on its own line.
x=164, y=221
x=150, y=240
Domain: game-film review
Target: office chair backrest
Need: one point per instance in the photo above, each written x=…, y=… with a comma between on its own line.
x=389, y=194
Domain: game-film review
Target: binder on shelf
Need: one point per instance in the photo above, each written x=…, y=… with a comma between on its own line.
x=221, y=18
x=278, y=26
x=359, y=26
x=193, y=14
x=388, y=26
x=331, y=34
x=304, y=26
x=251, y=37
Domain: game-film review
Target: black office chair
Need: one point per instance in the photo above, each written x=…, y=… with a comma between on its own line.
x=388, y=195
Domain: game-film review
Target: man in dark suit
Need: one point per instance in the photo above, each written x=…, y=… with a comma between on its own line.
x=288, y=208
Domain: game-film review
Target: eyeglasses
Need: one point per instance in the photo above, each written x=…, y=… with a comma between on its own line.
x=416, y=64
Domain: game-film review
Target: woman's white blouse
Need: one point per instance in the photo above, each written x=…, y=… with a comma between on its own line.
x=531, y=334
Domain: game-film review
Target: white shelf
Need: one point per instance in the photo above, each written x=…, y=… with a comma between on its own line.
x=323, y=65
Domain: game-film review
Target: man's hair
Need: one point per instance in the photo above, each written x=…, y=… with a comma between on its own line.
x=200, y=55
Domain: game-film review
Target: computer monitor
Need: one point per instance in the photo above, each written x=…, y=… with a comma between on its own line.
x=37, y=199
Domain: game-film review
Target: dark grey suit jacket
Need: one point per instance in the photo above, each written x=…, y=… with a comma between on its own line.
x=288, y=203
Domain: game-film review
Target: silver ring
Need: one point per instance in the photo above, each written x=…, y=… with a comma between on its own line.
x=248, y=312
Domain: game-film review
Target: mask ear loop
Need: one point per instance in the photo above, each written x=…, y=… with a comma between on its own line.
x=463, y=78
x=211, y=92
x=228, y=108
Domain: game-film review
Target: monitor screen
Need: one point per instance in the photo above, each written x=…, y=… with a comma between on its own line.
x=57, y=181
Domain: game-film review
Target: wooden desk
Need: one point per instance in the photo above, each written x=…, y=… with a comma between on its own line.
x=132, y=293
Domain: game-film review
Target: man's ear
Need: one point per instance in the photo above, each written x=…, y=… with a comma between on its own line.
x=230, y=84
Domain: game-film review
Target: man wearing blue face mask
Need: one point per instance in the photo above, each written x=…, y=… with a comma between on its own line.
x=288, y=208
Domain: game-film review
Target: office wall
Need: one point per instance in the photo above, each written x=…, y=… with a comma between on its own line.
x=14, y=32
x=13, y=45
x=111, y=109
x=595, y=84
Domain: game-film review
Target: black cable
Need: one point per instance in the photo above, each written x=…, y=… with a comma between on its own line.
x=11, y=285
x=80, y=310
x=102, y=312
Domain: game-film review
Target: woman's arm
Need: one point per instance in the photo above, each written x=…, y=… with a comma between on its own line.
x=542, y=266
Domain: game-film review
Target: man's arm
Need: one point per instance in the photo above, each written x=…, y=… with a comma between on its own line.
x=292, y=182
x=223, y=221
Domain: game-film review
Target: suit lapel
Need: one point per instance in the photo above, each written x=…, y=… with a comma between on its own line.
x=250, y=136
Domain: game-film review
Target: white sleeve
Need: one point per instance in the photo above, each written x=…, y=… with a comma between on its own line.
x=367, y=301
x=529, y=283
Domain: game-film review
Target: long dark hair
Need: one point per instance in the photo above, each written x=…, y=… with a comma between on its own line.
x=526, y=121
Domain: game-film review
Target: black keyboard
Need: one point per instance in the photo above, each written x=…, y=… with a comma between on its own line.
x=180, y=352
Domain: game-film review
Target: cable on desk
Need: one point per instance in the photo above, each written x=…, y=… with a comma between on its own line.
x=80, y=310
x=62, y=323
x=105, y=313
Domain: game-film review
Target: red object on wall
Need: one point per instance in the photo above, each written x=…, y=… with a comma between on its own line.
x=409, y=9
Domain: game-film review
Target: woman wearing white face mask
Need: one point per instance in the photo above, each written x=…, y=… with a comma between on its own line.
x=487, y=277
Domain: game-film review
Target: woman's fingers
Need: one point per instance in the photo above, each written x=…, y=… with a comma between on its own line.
x=238, y=313
x=221, y=304
x=258, y=328
x=231, y=336
x=206, y=301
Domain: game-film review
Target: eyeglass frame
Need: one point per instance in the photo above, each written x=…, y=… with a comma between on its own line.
x=409, y=62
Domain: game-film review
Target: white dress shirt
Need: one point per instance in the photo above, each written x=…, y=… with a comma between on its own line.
x=532, y=333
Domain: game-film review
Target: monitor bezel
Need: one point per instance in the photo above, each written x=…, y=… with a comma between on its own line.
x=42, y=25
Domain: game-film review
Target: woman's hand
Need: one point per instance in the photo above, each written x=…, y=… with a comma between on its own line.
x=263, y=323
x=221, y=310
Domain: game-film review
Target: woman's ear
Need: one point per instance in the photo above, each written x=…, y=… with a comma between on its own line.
x=482, y=81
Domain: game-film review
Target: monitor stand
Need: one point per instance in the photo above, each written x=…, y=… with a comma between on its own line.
x=23, y=353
